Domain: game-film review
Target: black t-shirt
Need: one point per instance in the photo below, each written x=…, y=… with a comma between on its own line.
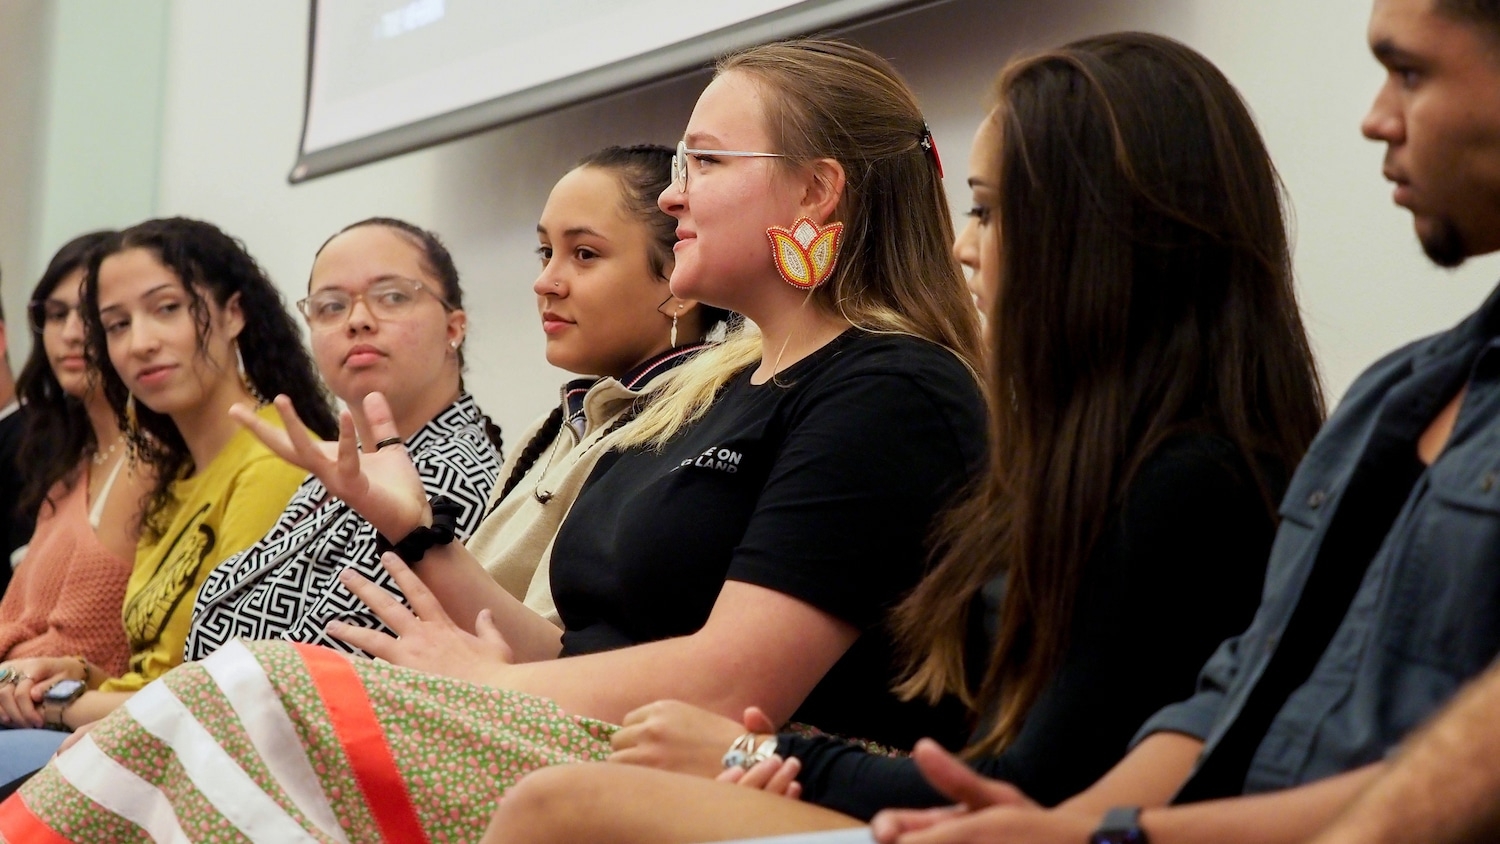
x=822, y=484
x=1178, y=568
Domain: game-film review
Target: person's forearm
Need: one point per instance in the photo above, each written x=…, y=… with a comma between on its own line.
x=91, y=706
x=1291, y=816
x=609, y=684
x=1444, y=788
x=758, y=648
x=464, y=588
x=1148, y=776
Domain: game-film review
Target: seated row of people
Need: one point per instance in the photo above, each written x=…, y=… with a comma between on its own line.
x=780, y=473
x=749, y=521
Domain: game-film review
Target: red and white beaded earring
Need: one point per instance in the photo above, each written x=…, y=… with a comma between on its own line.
x=805, y=255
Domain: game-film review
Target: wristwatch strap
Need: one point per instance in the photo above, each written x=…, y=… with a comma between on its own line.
x=1121, y=825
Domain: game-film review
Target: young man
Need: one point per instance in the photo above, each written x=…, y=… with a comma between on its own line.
x=1383, y=591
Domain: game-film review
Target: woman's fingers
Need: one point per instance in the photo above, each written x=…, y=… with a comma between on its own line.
x=29, y=716
x=761, y=772
x=488, y=633
x=757, y=721
x=305, y=451
x=348, y=459
x=638, y=714
x=785, y=777
x=9, y=715
x=960, y=783
x=385, y=606
x=379, y=417
x=372, y=642
x=273, y=437
x=423, y=602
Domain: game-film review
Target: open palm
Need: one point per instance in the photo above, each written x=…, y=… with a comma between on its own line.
x=381, y=485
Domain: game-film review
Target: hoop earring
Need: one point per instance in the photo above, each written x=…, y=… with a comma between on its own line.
x=245, y=381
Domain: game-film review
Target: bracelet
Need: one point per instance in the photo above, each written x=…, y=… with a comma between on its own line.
x=83, y=660
x=445, y=513
x=745, y=753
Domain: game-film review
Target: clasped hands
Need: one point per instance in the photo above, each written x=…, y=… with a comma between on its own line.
x=22, y=690
x=676, y=736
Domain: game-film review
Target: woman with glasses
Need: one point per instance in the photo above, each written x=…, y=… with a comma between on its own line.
x=385, y=313
x=165, y=305
x=1152, y=389
x=741, y=544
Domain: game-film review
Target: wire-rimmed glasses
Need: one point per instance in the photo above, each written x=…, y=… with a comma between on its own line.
x=389, y=298
x=680, y=161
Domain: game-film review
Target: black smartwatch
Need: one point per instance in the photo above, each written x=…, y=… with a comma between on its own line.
x=58, y=698
x=1121, y=825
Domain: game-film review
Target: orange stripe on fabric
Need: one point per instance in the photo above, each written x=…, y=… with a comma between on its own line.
x=359, y=733
x=19, y=826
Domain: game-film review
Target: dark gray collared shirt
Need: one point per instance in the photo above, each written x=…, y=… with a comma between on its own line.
x=1425, y=617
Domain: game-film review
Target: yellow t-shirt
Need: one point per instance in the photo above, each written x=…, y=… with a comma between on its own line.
x=219, y=511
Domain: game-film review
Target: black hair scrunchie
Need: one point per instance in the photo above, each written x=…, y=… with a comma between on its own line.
x=445, y=513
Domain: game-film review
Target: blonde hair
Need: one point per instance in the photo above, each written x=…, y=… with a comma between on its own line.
x=896, y=271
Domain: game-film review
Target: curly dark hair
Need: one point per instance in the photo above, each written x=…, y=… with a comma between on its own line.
x=207, y=261
x=57, y=431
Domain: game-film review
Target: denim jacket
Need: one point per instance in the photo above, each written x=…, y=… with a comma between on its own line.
x=1426, y=616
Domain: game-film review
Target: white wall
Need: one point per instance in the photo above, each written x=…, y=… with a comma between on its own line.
x=80, y=129
x=232, y=116
x=24, y=42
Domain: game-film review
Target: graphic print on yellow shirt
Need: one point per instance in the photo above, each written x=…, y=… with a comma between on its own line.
x=147, y=612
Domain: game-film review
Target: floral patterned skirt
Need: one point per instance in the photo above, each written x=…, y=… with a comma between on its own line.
x=275, y=742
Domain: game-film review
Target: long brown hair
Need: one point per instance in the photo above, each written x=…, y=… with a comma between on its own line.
x=1145, y=290
x=896, y=271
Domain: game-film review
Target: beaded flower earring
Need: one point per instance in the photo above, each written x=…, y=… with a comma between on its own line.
x=805, y=255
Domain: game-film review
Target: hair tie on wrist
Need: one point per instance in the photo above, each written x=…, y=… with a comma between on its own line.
x=445, y=513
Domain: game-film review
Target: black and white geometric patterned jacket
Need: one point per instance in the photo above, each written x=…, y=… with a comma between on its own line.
x=286, y=585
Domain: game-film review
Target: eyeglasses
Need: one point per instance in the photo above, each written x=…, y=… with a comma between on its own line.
x=680, y=161
x=45, y=312
x=391, y=298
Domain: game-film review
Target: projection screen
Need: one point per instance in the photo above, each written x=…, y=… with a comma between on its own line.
x=391, y=76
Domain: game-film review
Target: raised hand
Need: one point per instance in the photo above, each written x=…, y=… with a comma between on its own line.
x=381, y=484
x=426, y=637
